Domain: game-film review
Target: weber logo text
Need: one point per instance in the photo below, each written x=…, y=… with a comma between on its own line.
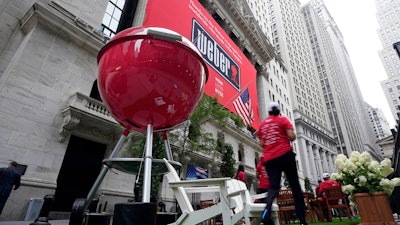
x=215, y=55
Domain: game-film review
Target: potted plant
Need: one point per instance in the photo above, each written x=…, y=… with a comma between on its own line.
x=365, y=180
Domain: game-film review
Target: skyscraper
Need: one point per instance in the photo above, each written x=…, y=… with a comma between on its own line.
x=315, y=144
x=388, y=16
x=343, y=98
x=378, y=122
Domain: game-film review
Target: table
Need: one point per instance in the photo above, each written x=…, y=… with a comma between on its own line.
x=205, y=204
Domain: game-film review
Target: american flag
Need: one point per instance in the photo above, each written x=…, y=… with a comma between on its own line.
x=243, y=107
x=195, y=172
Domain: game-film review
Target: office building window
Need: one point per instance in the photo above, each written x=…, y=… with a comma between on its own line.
x=111, y=18
x=118, y=16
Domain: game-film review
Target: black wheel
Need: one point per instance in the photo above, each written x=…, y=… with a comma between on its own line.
x=77, y=212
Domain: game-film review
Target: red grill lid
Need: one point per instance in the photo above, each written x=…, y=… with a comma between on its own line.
x=150, y=75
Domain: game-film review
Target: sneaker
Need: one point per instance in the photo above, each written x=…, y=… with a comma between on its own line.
x=303, y=222
x=267, y=222
x=264, y=214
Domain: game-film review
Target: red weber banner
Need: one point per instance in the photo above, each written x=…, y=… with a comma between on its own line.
x=230, y=72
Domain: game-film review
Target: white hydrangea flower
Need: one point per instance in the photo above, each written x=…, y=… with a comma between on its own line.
x=341, y=157
x=386, y=171
x=362, y=179
x=336, y=176
x=350, y=167
x=365, y=158
x=386, y=163
x=388, y=190
x=355, y=156
x=374, y=166
x=396, y=181
x=388, y=185
x=385, y=182
x=348, y=189
x=340, y=165
x=359, y=173
x=371, y=175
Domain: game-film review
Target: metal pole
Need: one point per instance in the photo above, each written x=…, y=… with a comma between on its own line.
x=167, y=146
x=147, y=164
x=104, y=170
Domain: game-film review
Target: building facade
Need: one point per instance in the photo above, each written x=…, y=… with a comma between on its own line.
x=388, y=18
x=347, y=113
x=52, y=119
x=315, y=145
x=54, y=123
x=378, y=122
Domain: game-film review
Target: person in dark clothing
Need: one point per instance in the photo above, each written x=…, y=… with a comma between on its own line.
x=275, y=134
x=10, y=178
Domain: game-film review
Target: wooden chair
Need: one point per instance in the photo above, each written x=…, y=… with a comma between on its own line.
x=285, y=201
x=235, y=200
x=244, y=202
x=335, y=199
x=182, y=187
x=310, y=216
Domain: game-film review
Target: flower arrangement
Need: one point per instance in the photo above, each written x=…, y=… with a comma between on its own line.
x=361, y=174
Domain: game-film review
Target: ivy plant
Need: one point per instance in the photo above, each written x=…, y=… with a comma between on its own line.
x=228, y=162
x=307, y=185
x=192, y=138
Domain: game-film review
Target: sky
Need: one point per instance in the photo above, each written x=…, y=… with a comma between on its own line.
x=357, y=22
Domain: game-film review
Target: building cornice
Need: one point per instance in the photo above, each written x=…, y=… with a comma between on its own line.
x=302, y=120
x=61, y=21
x=240, y=21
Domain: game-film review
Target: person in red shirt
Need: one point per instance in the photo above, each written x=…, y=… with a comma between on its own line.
x=263, y=179
x=327, y=183
x=276, y=133
x=240, y=175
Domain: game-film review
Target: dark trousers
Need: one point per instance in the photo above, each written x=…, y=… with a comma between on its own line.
x=3, y=200
x=260, y=191
x=287, y=164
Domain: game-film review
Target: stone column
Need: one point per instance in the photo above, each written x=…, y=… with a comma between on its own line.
x=304, y=157
x=325, y=161
x=320, y=171
x=312, y=161
x=334, y=158
x=210, y=168
x=330, y=162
